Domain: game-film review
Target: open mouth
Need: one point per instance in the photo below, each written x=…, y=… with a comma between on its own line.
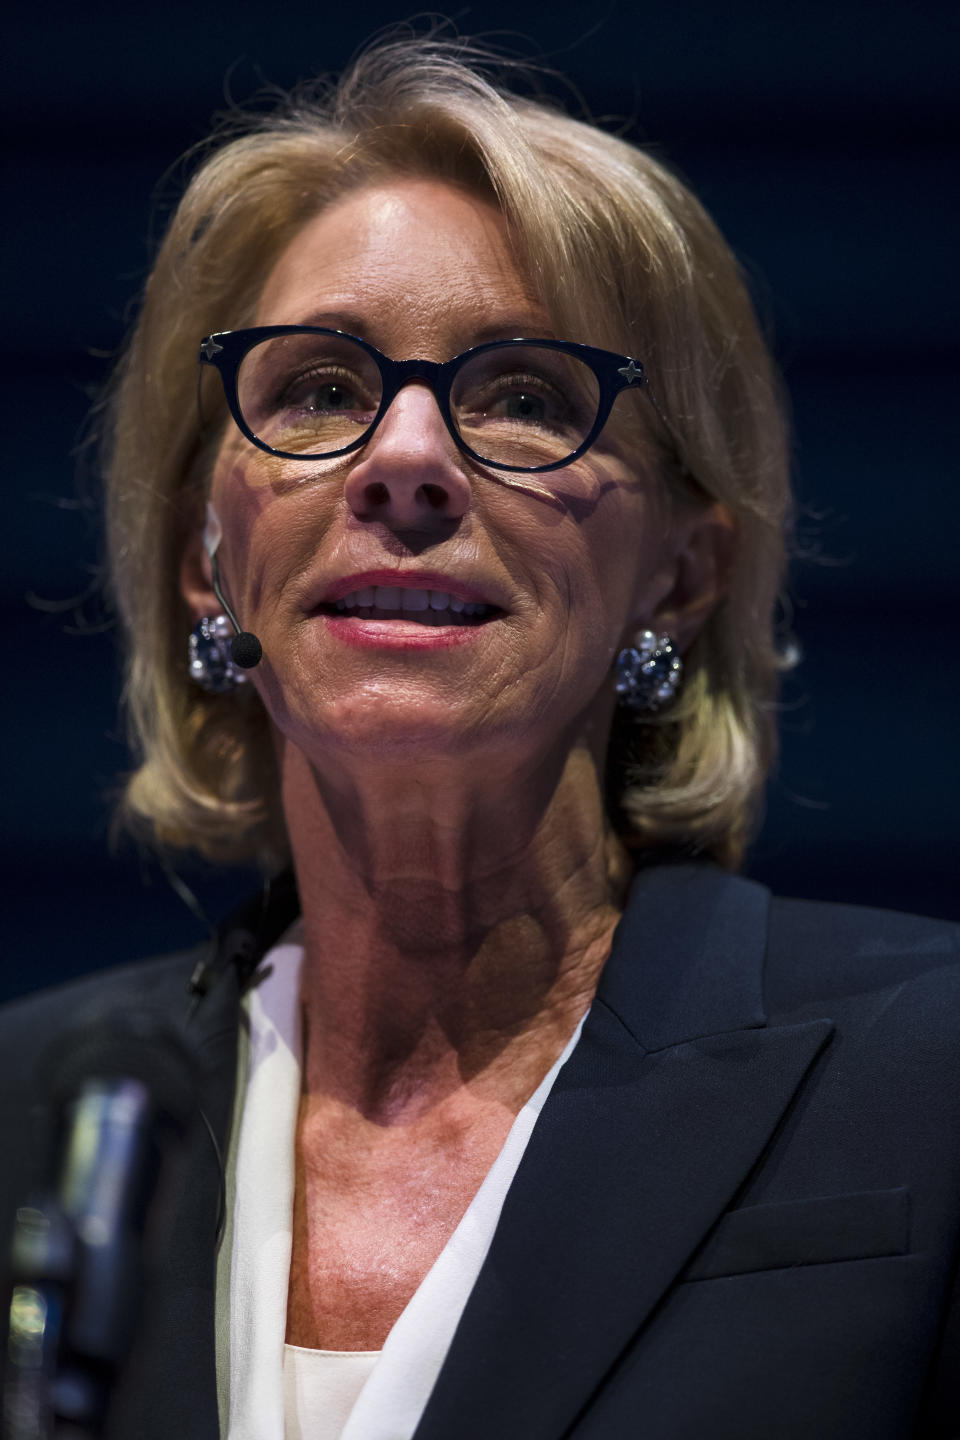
x=418, y=607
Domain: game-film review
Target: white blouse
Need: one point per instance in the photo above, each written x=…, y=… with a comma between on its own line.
x=272, y=1391
x=320, y=1388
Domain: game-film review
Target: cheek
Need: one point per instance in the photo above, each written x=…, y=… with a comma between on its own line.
x=618, y=555
x=239, y=500
x=577, y=563
x=632, y=543
x=262, y=538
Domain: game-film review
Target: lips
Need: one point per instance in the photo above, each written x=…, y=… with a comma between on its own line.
x=420, y=597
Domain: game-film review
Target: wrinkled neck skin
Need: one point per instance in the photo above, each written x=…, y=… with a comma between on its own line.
x=455, y=920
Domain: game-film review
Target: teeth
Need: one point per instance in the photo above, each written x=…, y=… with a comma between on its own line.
x=393, y=597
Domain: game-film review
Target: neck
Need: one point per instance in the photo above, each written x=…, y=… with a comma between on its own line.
x=454, y=932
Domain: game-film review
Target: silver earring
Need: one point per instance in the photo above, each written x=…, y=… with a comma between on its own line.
x=648, y=673
x=211, y=664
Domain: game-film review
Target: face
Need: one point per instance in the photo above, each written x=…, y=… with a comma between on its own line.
x=567, y=564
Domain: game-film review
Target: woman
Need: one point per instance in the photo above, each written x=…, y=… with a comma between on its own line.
x=543, y=1123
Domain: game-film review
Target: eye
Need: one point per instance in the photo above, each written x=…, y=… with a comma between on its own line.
x=326, y=394
x=523, y=405
x=524, y=399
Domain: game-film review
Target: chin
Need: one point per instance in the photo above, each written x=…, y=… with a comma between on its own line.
x=374, y=731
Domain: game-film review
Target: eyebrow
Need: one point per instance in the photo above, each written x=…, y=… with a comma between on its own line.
x=353, y=324
x=334, y=320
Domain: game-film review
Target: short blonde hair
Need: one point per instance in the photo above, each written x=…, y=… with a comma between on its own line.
x=625, y=257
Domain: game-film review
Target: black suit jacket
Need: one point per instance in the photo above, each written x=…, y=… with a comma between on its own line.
x=738, y=1215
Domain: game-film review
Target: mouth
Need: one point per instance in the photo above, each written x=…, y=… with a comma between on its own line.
x=429, y=608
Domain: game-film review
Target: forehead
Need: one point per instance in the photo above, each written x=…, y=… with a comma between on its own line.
x=413, y=261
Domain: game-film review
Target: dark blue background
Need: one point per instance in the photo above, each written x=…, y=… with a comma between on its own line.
x=821, y=136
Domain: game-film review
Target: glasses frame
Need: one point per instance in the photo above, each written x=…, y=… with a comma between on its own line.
x=226, y=350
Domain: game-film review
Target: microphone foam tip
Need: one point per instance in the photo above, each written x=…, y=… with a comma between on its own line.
x=246, y=650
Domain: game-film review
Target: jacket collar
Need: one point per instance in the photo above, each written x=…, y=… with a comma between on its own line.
x=687, y=956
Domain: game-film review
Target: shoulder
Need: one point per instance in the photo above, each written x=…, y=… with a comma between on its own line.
x=32, y=1021
x=890, y=985
x=818, y=951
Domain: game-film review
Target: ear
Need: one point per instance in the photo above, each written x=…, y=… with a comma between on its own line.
x=704, y=540
x=196, y=585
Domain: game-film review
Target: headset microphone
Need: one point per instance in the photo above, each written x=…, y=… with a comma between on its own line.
x=245, y=649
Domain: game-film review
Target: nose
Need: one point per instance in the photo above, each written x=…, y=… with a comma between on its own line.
x=409, y=473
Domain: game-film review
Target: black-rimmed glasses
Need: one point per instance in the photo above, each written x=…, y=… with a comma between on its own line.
x=306, y=393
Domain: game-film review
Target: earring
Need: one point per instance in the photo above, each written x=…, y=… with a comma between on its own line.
x=211, y=664
x=648, y=673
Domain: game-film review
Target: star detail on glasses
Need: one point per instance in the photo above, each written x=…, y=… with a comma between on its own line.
x=209, y=348
x=632, y=372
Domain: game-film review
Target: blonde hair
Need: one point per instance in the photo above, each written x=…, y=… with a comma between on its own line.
x=624, y=256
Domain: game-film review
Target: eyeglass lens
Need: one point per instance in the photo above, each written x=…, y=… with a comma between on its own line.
x=523, y=405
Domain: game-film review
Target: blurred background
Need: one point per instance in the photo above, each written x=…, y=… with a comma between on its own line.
x=823, y=139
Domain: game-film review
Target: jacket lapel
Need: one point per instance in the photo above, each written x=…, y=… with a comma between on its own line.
x=652, y=1126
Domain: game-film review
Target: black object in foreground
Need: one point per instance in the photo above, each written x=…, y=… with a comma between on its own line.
x=123, y=1090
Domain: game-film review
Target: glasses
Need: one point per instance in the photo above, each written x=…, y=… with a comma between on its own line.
x=306, y=393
